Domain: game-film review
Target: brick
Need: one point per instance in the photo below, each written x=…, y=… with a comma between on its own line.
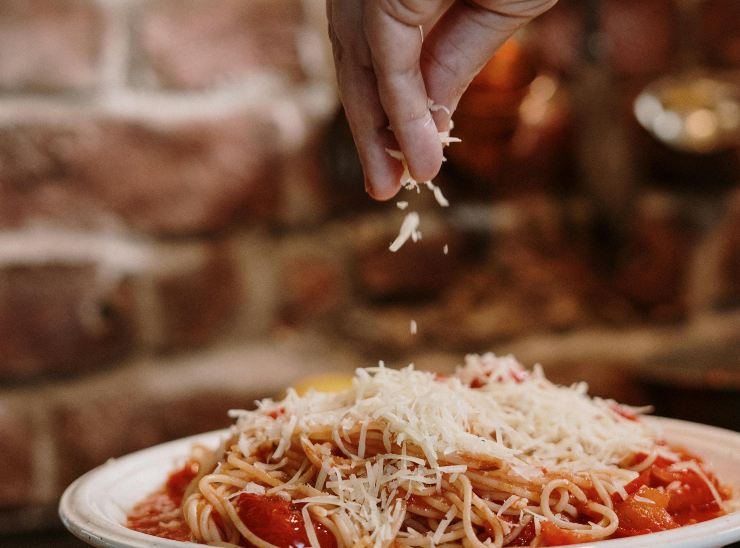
x=383, y=333
x=61, y=318
x=102, y=422
x=195, y=44
x=200, y=411
x=312, y=287
x=49, y=46
x=155, y=400
x=305, y=192
x=197, y=300
x=72, y=301
x=343, y=171
x=117, y=420
x=16, y=456
x=174, y=178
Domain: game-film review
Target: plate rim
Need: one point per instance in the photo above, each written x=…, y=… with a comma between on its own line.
x=99, y=531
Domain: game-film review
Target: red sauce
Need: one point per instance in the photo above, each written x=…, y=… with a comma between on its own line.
x=649, y=509
x=159, y=514
x=279, y=522
x=644, y=512
x=276, y=413
x=178, y=482
x=552, y=535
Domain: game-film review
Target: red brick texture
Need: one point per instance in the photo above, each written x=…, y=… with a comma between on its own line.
x=49, y=46
x=110, y=421
x=67, y=316
x=180, y=178
x=197, y=302
x=17, y=437
x=59, y=319
x=313, y=287
x=187, y=44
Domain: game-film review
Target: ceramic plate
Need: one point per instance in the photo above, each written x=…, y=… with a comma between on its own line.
x=94, y=507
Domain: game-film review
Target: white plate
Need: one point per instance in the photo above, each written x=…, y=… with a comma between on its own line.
x=94, y=507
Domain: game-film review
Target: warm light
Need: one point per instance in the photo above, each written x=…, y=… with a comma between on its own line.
x=647, y=107
x=728, y=114
x=701, y=124
x=667, y=125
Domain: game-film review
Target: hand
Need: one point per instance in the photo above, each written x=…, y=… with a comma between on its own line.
x=391, y=56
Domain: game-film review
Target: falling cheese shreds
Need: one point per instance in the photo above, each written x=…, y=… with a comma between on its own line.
x=491, y=410
x=441, y=200
x=409, y=229
x=409, y=183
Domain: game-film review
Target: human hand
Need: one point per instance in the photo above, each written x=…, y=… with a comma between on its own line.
x=391, y=56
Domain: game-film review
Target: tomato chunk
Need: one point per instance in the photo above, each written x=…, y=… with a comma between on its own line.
x=552, y=535
x=178, y=482
x=644, y=512
x=279, y=522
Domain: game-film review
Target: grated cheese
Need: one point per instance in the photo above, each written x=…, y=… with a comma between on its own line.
x=646, y=500
x=513, y=418
x=409, y=230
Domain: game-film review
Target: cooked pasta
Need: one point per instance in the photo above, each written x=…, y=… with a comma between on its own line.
x=493, y=455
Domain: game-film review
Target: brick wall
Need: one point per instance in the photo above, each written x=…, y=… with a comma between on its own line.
x=183, y=229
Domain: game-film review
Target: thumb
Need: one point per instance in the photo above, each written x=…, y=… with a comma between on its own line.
x=463, y=41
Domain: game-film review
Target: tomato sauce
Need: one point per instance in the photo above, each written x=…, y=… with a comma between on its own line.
x=279, y=521
x=660, y=499
x=159, y=514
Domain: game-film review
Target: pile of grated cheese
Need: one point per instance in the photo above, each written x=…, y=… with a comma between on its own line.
x=491, y=410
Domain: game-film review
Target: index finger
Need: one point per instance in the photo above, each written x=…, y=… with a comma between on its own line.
x=394, y=35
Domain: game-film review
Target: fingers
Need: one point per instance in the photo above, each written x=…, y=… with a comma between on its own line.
x=463, y=41
x=393, y=33
x=369, y=129
x=386, y=73
x=359, y=93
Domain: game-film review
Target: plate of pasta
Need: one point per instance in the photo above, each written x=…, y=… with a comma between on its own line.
x=492, y=455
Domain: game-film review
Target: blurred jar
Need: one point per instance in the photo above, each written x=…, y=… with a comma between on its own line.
x=514, y=126
x=488, y=113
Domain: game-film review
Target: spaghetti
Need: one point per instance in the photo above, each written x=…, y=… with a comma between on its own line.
x=494, y=455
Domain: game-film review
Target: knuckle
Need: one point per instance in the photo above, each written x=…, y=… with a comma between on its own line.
x=410, y=12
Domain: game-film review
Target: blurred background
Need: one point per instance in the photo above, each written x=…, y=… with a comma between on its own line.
x=183, y=226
